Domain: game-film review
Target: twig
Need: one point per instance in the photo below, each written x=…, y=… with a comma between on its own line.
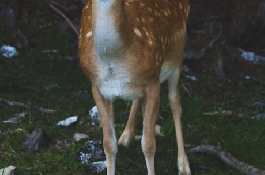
x=228, y=159
x=186, y=89
x=14, y=103
x=63, y=15
x=210, y=18
x=19, y=86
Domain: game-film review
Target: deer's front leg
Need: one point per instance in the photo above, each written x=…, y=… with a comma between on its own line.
x=129, y=131
x=151, y=109
x=106, y=113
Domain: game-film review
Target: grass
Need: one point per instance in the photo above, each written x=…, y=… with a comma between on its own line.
x=243, y=137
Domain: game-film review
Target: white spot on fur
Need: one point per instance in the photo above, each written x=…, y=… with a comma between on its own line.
x=89, y=34
x=137, y=32
x=150, y=42
x=142, y=4
x=187, y=14
x=180, y=5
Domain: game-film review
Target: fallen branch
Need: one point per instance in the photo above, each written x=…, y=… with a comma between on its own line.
x=228, y=159
x=201, y=53
x=14, y=103
x=64, y=16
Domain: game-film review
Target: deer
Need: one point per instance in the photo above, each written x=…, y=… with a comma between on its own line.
x=127, y=48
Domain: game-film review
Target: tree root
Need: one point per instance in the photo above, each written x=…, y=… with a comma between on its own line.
x=228, y=159
x=14, y=103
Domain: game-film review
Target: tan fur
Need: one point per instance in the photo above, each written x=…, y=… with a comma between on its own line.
x=152, y=35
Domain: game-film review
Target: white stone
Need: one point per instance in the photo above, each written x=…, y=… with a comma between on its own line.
x=80, y=136
x=68, y=121
x=8, y=170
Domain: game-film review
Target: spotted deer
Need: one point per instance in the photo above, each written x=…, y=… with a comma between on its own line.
x=127, y=48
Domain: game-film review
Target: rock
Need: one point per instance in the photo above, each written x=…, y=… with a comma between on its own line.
x=192, y=77
x=68, y=121
x=80, y=94
x=52, y=86
x=98, y=167
x=91, y=152
x=259, y=117
x=11, y=170
x=252, y=57
x=138, y=137
x=12, y=120
x=94, y=115
x=72, y=58
x=64, y=144
x=258, y=106
x=8, y=51
x=16, y=118
x=80, y=136
x=158, y=131
x=38, y=139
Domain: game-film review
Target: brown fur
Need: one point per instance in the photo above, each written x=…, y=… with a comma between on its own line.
x=152, y=37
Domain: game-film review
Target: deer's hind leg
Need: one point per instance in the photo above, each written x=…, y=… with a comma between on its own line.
x=174, y=99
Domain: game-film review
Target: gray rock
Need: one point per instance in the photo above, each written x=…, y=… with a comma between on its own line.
x=91, y=152
x=8, y=51
x=259, y=117
x=98, y=167
x=80, y=94
x=64, y=144
x=38, y=139
x=52, y=86
x=16, y=118
x=258, y=106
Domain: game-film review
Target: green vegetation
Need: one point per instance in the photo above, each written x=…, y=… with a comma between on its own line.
x=242, y=136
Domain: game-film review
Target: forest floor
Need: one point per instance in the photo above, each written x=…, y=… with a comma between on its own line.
x=232, y=87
